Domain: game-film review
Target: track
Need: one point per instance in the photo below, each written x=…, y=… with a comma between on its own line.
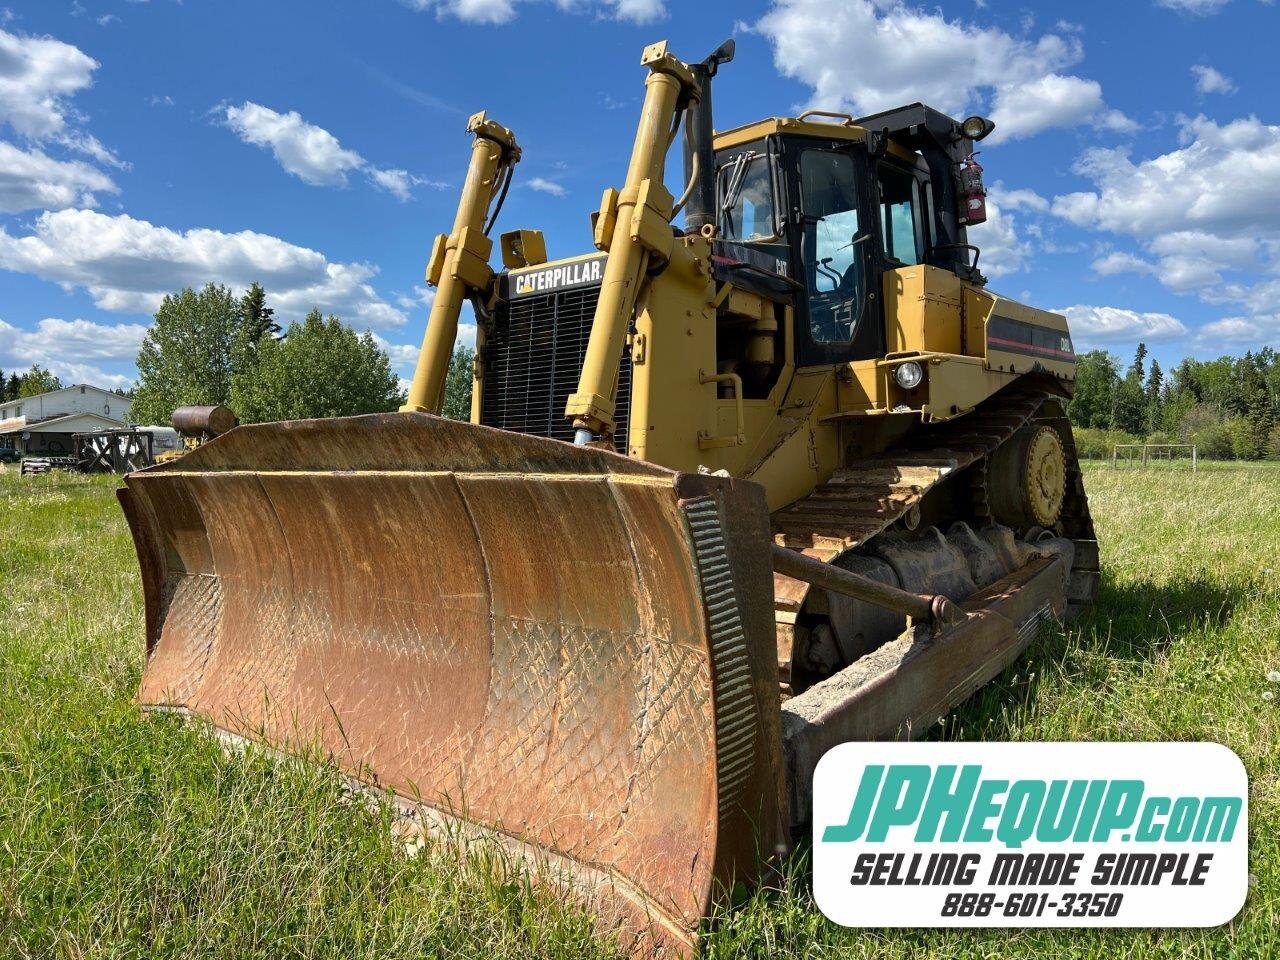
x=864, y=499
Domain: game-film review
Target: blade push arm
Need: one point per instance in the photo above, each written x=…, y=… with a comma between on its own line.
x=459, y=265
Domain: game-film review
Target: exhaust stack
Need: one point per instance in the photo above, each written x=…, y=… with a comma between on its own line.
x=698, y=135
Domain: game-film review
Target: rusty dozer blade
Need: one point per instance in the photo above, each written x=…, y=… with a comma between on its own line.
x=564, y=648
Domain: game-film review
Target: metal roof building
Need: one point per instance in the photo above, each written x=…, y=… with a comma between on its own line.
x=45, y=423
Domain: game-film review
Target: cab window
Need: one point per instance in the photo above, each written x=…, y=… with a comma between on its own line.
x=901, y=215
x=747, y=208
x=832, y=239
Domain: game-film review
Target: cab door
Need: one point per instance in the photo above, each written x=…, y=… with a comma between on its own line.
x=834, y=253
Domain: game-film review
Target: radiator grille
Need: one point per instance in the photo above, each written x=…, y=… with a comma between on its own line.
x=532, y=359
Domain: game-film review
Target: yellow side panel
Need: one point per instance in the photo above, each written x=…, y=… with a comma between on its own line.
x=797, y=452
x=978, y=306
x=922, y=310
x=958, y=384
x=675, y=342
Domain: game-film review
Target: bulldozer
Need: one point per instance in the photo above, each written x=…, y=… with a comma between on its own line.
x=784, y=474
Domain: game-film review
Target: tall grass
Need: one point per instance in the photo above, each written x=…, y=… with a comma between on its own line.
x=123, y=836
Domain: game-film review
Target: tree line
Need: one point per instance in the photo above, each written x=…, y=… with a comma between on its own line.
x=28, y=384
x=208, y=347
x=1229, y=407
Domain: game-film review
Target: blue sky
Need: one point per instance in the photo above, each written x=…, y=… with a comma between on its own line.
x=318, y=146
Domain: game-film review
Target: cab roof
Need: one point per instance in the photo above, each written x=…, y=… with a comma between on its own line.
x=835, y=129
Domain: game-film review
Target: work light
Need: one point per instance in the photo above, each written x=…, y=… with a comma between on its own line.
x=908, y=375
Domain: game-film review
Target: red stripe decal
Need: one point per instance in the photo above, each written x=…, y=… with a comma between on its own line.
x=1032, y=348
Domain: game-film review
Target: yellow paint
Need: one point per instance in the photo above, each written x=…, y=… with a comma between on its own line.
x=639, y=234
x=459, y=264
x=688, y=408
x=760, y=129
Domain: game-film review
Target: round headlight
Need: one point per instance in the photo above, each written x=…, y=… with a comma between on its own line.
x=908, y=375
x=975, y=128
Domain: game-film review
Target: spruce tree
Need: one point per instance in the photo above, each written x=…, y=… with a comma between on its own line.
x=1253, y=434
x=1137, y=370
x=256, y=318
x=1129, y=412
x=1155, y=396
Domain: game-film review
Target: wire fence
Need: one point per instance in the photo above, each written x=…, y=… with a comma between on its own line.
x=1149, y=454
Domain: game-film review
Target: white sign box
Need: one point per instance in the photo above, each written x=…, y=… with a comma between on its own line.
x=1030, y=834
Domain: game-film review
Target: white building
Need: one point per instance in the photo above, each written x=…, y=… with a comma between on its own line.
x=44, y=424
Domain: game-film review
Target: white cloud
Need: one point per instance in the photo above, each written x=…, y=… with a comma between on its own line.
x=1101, y=325
x=640, y=11
x=1198, y=8
x=70, y=373
x=1259, y=297
x=73, y=349
x=421, y=297
x=31, y=180
x=78, y=340
x=1186, y=261
x=503, y=11
x=1053, y=100
x=160, y=101
x=90, y=146
x=404, y=356
x=1120, y=261
x=1004, y=251
x=543, y=185
x=1223, y=180
x=128, y=265
x=1209, y=80
x=398, y=183
x=1185, y=253
x=472, y=11
x=88, y=373
x=311, y=153
x=37, y=77
x=1252, y=331
x=107, y=19
x=1206, y=215
x=1020, y=199
x=870, y=55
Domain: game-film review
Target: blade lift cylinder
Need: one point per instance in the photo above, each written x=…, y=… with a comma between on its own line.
x=459, y=264
x=634, y=227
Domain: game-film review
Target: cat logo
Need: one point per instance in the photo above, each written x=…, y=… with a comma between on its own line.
x=579, y=273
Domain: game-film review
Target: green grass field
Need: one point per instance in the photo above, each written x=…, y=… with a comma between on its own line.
x=129, y=837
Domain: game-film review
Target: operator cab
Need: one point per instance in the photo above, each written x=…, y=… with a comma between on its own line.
x=832, y=207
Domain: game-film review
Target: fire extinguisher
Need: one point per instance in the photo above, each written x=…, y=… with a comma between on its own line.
x=973, y=192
